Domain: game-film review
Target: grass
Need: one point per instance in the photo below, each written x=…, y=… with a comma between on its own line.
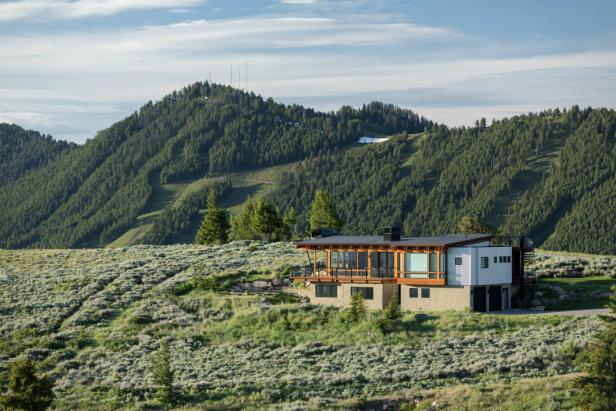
x=255, y=183
x=553, y=393
x=292, y=324
x=92, y=319
x=583, y=292
x=542, y=251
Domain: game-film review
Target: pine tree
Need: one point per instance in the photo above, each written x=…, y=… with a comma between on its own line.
x=472, y=225
x=358, y=308
x=323, y=213
x=290, y=224
x=266, y=221
x=598, y=386
x=26, y=390
x=241, y=228
x=163, y=374
x=392, y=315
x=215, y=225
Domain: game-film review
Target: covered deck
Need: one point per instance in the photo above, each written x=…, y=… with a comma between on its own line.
x=373, y=259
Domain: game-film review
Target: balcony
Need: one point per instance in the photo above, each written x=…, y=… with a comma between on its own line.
x=339, y=274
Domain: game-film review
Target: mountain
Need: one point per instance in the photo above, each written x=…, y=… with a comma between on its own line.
x=22, y=151
x=549, y=175
x=94, y=193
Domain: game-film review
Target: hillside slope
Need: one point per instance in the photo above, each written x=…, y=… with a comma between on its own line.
x=551, y=176
x=92, y=320
x=22, y=151
x=95, y=192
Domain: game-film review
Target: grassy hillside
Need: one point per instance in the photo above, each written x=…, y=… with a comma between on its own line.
x=92, y=319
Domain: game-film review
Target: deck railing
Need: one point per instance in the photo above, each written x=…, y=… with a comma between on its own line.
x=308, y=271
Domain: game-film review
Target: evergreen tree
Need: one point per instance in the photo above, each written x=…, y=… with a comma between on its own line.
x=215, y=225
x=163, y=374
x=392, y=315
x=241, y=227
x=598, y=386
x=358, y=308
x=26, y=390
x=323, y=213
x=290, y=224
x=472, y=225
x=265, y=221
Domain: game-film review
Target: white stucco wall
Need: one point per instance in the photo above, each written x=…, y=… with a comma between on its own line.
x=471, y=273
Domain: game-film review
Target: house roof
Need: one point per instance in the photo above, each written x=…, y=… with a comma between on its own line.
x=438, y=240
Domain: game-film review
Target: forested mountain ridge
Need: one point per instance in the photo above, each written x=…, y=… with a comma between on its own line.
x=22, y=151
x=94, y=192
x=551, y=176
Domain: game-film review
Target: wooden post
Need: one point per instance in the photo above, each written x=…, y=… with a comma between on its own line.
x=329, y=262
x=369, y=264
x=315, y=263
x=396, y=265
x=438, y=264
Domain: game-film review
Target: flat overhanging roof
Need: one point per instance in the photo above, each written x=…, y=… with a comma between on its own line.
x=446, y=240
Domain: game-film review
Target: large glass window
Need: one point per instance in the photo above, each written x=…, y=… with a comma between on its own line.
x=419, y=262
x=485, y=261
x=444, y=262
x=366, y=292
x=381, y=264
x=362, y=260
x=326, y=290
x=349, y=260
x=432, y=262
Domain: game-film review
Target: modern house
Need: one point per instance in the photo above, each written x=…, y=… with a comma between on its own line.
x=475, y=271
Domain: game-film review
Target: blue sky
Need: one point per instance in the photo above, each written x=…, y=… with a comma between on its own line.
x=71, y=68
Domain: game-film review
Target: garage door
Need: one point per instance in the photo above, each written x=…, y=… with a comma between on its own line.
x=479, y=299
x=495, y=298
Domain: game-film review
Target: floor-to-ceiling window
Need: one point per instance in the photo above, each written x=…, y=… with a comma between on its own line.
x=421, y=265
x=381, y=264
x=347, y=263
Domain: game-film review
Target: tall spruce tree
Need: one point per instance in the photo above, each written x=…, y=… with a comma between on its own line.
x=241, y=228
x=266, y=221
x=214, y=228
x=289, y=223
x=323, y=213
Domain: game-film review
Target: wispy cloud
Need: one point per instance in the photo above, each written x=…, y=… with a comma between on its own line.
x=298, y=2
x=73, y=83
x=64, y=9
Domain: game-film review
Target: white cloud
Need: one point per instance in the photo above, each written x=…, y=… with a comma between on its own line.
x=99, y=77
x=64, y=9
x=299, y=2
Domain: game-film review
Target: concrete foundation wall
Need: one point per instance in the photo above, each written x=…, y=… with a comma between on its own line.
x=441, y=298
x=382, y=293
